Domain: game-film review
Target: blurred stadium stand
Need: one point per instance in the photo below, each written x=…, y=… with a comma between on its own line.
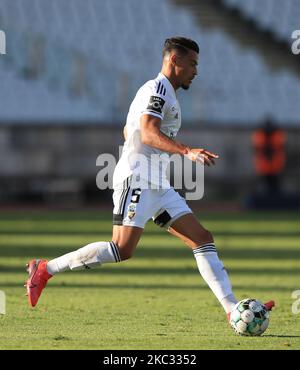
x=278, y=17
x=73, y=66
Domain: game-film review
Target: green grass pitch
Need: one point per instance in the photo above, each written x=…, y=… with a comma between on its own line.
x=156, y=300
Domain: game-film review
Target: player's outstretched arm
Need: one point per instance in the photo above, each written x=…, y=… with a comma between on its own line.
x=152, y=136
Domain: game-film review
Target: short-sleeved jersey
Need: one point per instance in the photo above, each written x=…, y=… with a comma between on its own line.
x=157, y=98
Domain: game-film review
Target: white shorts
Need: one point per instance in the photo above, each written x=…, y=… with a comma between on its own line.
x=134, y=207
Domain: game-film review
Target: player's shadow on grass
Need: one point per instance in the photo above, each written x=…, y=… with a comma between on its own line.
x=133, y=287
x=156, y=271
x=101, y=230
x=280, y=336
x=159, y=252
x=102, y=234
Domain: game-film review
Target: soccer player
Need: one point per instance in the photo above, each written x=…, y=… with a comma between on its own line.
x=152, y=124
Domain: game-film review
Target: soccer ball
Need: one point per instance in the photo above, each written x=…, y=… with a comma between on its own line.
x=249, y=317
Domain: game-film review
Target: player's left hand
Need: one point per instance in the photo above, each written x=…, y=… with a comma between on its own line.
x=203, y=156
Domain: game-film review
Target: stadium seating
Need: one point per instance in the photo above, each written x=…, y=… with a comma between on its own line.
x=83, y=60
x=282, y=18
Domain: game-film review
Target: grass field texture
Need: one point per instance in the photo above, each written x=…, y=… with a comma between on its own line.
x=157, y=300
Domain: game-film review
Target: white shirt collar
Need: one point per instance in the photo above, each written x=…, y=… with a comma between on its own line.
x=166, y=80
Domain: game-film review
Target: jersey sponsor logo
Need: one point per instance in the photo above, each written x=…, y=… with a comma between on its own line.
x=156, y=104
x=174, y=110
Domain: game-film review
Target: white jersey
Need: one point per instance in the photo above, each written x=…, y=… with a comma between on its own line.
x=158, y=98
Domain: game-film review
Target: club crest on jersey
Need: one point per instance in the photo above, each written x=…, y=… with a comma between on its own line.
x=156, y=104
x=131, y=210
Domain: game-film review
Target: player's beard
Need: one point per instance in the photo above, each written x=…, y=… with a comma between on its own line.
x=185, y=87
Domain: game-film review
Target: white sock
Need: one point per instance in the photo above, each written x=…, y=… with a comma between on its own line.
x=85, y=258
x=215, y=275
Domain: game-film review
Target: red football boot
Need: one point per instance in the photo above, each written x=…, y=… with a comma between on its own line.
x=38, y=277
x=269, y=305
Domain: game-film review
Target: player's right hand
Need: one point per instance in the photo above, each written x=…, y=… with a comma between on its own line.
x=202, y=155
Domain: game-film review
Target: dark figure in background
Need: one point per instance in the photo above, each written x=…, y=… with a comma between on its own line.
x=269, y=155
